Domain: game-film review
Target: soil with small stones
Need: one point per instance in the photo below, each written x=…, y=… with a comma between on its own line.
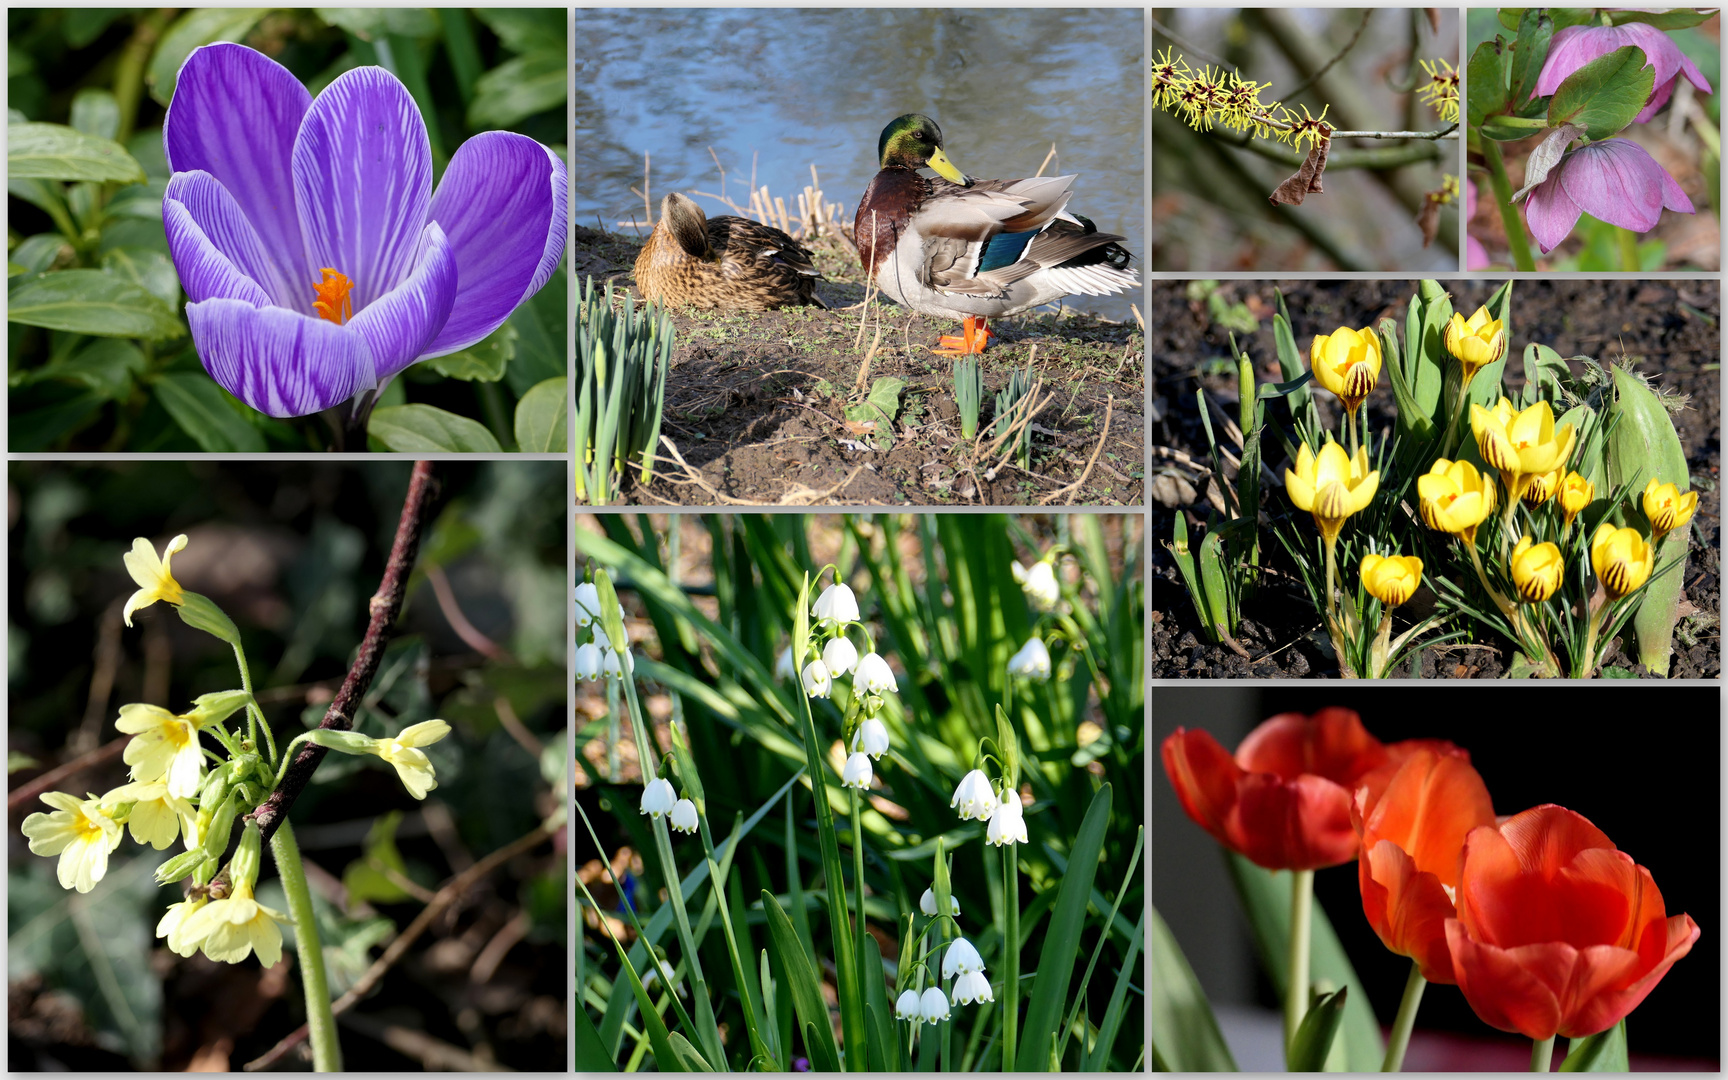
x=755, y=402
x=1668, y=328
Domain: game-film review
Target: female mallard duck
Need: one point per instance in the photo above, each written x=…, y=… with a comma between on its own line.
x=975, y=248
x=730, y=263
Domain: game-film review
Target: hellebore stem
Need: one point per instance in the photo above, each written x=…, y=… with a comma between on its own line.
x=1405, y=1021
x=320, y=1021
x=1541, y=1053
x=1301, y=925
x=1010, y=958
x=1628, y=248
x=1521, y=257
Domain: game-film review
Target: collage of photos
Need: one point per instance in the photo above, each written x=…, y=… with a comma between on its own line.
x=1435, y=394
x=578, y=540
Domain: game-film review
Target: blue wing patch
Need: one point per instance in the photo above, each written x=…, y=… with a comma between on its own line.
x=1004, y=249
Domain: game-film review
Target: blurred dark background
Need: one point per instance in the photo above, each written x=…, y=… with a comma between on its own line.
x=292, y=551
x=1642, y=763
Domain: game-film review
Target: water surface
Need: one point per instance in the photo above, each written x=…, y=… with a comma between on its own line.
x=782, y=90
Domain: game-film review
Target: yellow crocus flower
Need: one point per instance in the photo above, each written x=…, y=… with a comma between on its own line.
x=1521, y=444
x=1536, y=570
x=1331, y=485
x=1455, y=498
x=1391, y=579
x=1346, y=362
x=1621, y=559
x=1667, y=508
x=1475, y=342
x=1540, y=487
x=1575, y=494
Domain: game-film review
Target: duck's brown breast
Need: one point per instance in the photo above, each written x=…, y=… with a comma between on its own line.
x=887, y=205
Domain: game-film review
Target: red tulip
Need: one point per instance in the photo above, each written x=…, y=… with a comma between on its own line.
x=1284, y=799
x=1558, y=931
x=1412, y=836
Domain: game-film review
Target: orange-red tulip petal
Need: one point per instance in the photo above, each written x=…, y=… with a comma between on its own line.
x=1558, y=931
x=1412, y=836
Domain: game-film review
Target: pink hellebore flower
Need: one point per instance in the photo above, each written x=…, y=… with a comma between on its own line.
x=1576, y=46
x=1614, y=180
x=1475, y=255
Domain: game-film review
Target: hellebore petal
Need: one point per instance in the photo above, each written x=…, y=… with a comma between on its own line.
x=1575, y=46
x=1558, y=931
x=399, y=325
x=234, y=115
x=1412, y=834
x=363, y=180
x=1614, y=180
x=278, y=361
x=503, y=203
x=212, y=242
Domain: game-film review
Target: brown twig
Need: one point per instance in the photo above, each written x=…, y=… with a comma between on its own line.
x=22, y=795
x=394, y=952
x=1074, y=489
x=384, y=607
x=467, y=631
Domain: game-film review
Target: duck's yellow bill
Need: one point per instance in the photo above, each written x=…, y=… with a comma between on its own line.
x=945, y=168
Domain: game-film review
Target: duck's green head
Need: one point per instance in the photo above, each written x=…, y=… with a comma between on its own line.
x=914, y=141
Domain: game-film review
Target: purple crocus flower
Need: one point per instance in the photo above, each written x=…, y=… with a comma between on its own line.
x=1614, y=180
x=317, y=260
x=1575, y=46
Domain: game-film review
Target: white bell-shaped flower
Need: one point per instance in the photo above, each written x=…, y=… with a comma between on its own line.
x=588, y=661
x=837, y=605
x=961, y=957
x=784, y=668
x=1007, y=821
x=874, y=677
x=974, y=797
x=684, y=816
x=927, y=904
x=933, y=1005
x=906, y=1007
x=840, y=655
x=857, y=773
x=1032, y=661
x=610, y=666
x=872, y=738
x=1039, y=584
x=816, y=680
x=658, y=797
x=973, y=986
x=587, y=603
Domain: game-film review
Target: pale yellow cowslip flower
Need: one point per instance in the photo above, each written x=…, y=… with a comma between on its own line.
x=158, y=816
x=77, y=831
x=412, y=765
x=173, y=924
x=231, y=929
x=155, y=582
x=165, y=748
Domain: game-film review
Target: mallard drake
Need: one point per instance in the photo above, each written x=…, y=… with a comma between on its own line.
x=952, y=245
x=725, y=262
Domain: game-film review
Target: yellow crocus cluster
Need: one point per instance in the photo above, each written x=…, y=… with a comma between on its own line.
x=1521, y=444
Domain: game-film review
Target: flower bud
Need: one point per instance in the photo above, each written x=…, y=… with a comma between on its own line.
x=871, y=737
x=178, y=867
x=684, y=815
x=840, y=655
x=348, y=742
x=836, y=605
x=1575, y=494
x=1536, y=570
x=874, y=677
x=1391, y=579
x=1667, y=508
x=658, y=797
x=927, y=904
x=201, y=613
x=243, y=869
x=1032, y=661
x=816, y=681
x=857, y=773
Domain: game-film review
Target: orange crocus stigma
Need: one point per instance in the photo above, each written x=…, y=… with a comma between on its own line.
x=333, y=302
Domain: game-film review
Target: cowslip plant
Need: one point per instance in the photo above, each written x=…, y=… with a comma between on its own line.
x=196, y=775
x=1585, y=77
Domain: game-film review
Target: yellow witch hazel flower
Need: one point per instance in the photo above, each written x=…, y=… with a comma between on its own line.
x=78, y=831
x=166, y=744
x=157, y=817
x=232, y=928
x=403, y=751
x=155, y=582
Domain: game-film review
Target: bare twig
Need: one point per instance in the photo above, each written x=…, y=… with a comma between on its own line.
x=21, y=795
x=385, y=606
x=467, y=631
x=1327, y=66
x=512, y=724
x=106, y=666
x=1188, y=46
x=398, y=947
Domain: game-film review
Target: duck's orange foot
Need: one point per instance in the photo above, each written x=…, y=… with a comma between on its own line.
x=973, y=339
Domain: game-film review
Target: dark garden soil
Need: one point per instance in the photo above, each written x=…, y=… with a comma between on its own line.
x=755, y=403
x=1669, y=328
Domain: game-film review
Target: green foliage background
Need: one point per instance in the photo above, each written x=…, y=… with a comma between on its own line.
x=99, y=356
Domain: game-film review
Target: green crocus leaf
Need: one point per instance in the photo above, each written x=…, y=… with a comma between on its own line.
x=1313, y=1041
x=519, y=88
x=542, y=418
x=206, y=412
x=1604, y=95
x=483, y=361
x=57, y=152
x=419, y=428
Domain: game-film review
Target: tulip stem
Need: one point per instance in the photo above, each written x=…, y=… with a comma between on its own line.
x=320, y=1021
x=1521, y=257
x=1010, y=957
x=1405, y=1020
x=1541, y=1054
x=1301, y=926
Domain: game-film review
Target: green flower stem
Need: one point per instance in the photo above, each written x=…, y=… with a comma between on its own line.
x=1405, y=1021
x=1541, y=1054
x=1010, y=958
x=1588, y=667
x=1628, y=249
x=858, y=866
x=1521, y=257
x=1301, y=927
x=246, y=685
x=320, y=1021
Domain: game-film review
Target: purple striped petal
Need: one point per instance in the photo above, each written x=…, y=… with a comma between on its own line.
x=221, y=222
x=399, y=325
x=279, y=362
x=205, y=272
x=504, y=205
x=234, y=115
x=363, y=180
